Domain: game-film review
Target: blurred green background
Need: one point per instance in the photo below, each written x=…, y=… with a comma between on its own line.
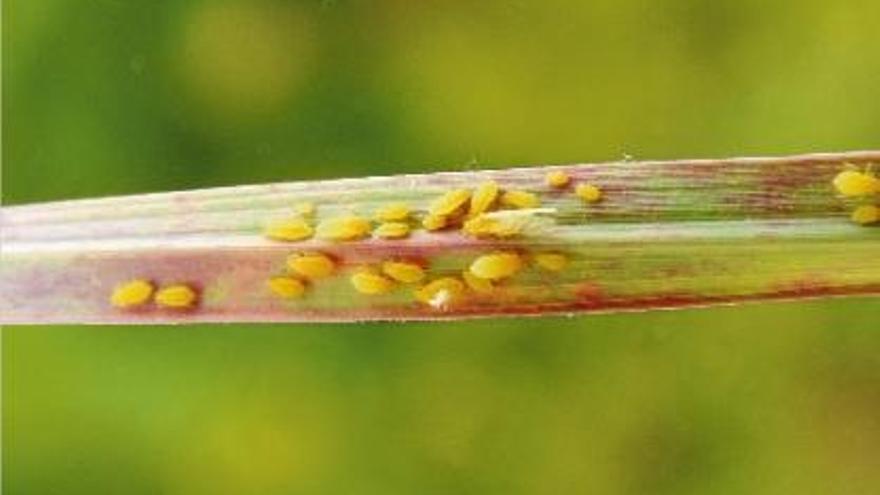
x=108, y=97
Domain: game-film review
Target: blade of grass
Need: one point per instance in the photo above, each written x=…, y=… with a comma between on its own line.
x=664, y=235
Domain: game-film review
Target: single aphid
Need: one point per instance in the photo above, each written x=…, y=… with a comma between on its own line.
x=450, y=203
x=552, y=262
x=394, y=212
x=588, y=192
x=520, y=199
x=392, y=230
x=177, y=296
x=440, y=293
x=866, y=214
x=483, y=199
x=313, y=266
x=477, y=284
x=132, y=293
x=434, y=222
x=291, y=229
x=306, y=208
x=496, y=266
x=370, y=283
x=349, y=228
x=286, y=287
x=557, y=179
x=402, y=271
x=852, y=183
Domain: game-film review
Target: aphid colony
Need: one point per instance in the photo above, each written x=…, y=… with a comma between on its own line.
x=863, y=186
x=469, y=210
x=483, y=212
x=304, y=269
x=487, y=211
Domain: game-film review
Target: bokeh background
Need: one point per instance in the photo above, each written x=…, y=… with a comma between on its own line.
x=106, y=97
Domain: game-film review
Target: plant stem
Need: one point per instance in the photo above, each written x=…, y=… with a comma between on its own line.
x=665, y=235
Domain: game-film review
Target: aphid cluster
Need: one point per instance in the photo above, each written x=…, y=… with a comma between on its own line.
x=480, y=276
x=487, y=211
x=138, y=293
x=863, y=186
x=483, y=274
x=470, y=210
x=485, y=219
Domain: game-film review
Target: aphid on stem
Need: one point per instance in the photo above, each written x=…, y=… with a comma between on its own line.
x=590, y=193
x=449, y=203
x=403, y=271
x=370, y=283
x=176, y=296
x=347, y=228
x=441, y=293
x=290, y=229
x=520, y=199
x=484, y=198
x=854, y=184
x=496, y=266
x=133, y=293
x=286, y=287
x=394, y=212
x=557, y=179
x=313, y=266
x=392, y=230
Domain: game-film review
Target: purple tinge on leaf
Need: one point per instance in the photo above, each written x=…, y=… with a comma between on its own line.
x=527, y=241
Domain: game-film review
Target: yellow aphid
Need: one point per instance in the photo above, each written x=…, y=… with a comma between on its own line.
x=496, y=266
x=477, y=284
x=306, y=208
x=132, y=293
x=520, y=199
x=291, y=229
x=557, y=179
x=492, y=226
x=392, y=230
x=348, y=228
x=434, y=222
x=370, y=283
x=552, y=262
x=588, y=192
x=483, y=199
x=450, y=202
x=441, y=292
x=311, y=265
x=286, y=287
x=395, y=212
x=408, y=273
x=178, y=296
x=852, y=183
x=866, y=214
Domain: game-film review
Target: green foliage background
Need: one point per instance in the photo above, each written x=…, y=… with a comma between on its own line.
x=108, y=97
